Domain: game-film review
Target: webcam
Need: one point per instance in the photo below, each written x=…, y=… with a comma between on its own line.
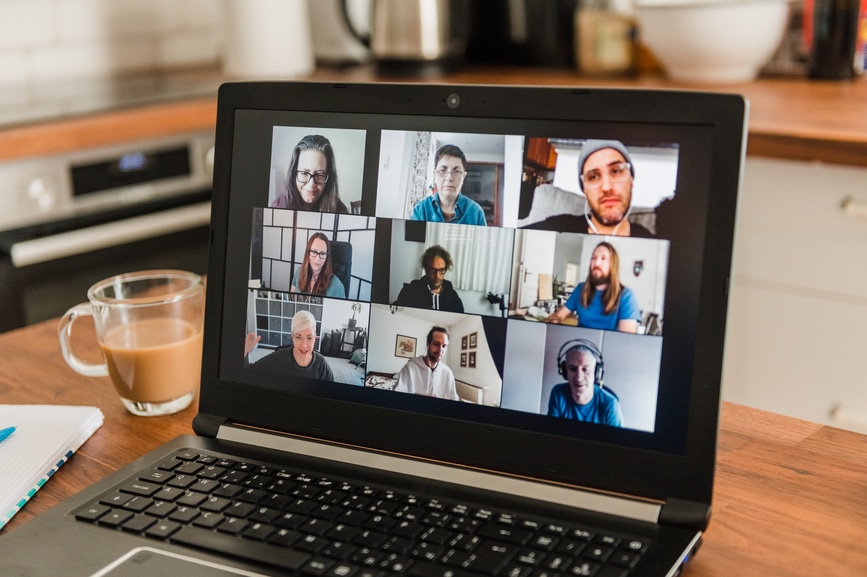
x=453, y=100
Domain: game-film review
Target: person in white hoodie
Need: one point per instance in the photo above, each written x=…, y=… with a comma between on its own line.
x=427, y=374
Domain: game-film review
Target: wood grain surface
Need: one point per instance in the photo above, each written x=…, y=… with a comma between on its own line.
x=790, y=118
x=790, y=496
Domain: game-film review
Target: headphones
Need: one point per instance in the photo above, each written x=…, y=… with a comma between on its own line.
x=581, y=345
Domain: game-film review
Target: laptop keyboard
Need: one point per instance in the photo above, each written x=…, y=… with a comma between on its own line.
x=323, y=526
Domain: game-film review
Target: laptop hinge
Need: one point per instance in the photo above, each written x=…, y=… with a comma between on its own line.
x=520, y=487
x=688, y=514
x=208, y=425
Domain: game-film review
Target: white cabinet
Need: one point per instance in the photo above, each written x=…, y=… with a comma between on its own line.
x=797, y=332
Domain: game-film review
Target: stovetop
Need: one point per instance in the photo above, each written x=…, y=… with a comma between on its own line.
x=55, y=100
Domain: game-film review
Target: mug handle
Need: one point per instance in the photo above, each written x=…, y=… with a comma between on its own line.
x=64, y=331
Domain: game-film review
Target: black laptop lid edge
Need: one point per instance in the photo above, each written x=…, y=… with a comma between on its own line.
x=653, y=475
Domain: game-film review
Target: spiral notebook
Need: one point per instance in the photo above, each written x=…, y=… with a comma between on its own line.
x=45, y=437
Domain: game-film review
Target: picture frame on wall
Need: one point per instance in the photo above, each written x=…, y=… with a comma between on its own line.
x=463, y=359
x=464, y=341
x=472, y=361
x=474, y=340
x=404, y=346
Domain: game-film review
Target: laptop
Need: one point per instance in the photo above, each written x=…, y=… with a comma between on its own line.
x=413, y=363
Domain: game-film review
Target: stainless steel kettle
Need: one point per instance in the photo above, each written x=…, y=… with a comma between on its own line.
x=415, y=36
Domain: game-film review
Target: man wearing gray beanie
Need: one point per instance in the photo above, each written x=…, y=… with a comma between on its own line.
x=605, y=175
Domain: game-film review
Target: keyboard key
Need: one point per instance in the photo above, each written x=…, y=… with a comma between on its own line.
x=583, y=569
x=138, y=524
x=342, y=570
x=515, y=570
x=339, y=550
x=211, y=472
x=216, y=504
x=162, y=529
x=138, y=504
x=115, y=499
x=317, y=567
x=626, y=559
x=160, y=509
x=184, y=514
x=505, y=534
x=531, y=557
x=189, y=468
x=92, y=512
x=143, y=488
x=241, y=548
x=596, y=553
x=490, y=557
x=259, y=531
x=156, y=476
x=232, y=525
x=284, y=537
x=192, y=499
x=181, y=481
x=208, y=520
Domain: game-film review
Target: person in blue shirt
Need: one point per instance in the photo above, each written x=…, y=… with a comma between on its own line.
x=601, y=302
x=447, y=204
x=582, y=397
x=316, y=276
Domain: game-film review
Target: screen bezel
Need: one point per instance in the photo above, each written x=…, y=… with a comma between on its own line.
x=674, y=463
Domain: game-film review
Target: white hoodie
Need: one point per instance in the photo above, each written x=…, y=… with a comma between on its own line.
x=417, y=378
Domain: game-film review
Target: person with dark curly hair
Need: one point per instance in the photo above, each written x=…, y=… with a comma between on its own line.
x=432, y=290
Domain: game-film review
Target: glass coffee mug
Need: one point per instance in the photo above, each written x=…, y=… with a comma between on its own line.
x=149, y=328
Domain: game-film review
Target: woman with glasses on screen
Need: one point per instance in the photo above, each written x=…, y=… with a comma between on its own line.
x=446, y=203
x=311, y=181
x=316, y=275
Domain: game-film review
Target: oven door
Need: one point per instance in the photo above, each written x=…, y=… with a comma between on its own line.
x=43, y=277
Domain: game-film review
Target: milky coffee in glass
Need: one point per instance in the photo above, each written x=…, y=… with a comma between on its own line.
x=149, y=329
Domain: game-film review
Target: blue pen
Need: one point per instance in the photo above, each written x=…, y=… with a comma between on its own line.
x=6, y=432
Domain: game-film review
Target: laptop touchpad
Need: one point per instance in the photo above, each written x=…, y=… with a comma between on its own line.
x=147, y=562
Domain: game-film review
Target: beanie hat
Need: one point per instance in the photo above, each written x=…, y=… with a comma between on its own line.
x=591, y=146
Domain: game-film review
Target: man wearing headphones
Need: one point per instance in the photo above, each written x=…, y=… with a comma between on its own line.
x=582, y=396
x=605, y=175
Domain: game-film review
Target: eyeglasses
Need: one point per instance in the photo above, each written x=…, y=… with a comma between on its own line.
x=317, y=254
x=438, y=271
x=617, y=172
x=304, y=177
x=456, y=172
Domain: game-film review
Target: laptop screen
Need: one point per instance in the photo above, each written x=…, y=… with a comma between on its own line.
x=540, y=272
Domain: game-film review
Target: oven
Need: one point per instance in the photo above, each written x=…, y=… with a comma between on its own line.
x=69, y=220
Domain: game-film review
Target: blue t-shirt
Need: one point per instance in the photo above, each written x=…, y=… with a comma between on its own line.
x=335, y=286
x=604, y=408
x=593, y=316
x=467, y=211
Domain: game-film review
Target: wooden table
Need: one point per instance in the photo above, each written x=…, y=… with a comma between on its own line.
x=790, y=496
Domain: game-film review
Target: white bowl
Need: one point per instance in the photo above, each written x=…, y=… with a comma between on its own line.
x=712, y=41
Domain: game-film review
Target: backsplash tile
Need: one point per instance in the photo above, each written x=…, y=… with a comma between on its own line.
x=46, y=40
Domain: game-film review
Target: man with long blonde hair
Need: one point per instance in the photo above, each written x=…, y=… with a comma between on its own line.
x=601, y=301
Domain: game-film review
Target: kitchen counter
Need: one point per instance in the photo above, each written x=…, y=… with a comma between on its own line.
x=789, y=495
x=795, y=119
